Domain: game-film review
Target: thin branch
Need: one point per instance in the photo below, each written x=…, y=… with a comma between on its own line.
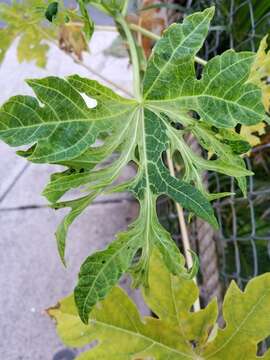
x=184, y=232
x=106, y=28
x=134, y=57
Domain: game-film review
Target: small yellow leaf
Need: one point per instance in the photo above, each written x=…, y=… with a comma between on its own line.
x=260, y=72
x=252, y=133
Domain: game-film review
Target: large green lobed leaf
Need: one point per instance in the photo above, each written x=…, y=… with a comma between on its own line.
x=59, y=127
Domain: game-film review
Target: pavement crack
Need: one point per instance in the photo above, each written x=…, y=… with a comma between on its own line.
x=14, y=181
x=40, y=206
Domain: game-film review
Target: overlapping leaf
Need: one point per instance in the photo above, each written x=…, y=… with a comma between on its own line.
x=177, y=332
x=25, y=19
x=259, y=75
x=29, y=22
x=62, y=129
x=260, y=71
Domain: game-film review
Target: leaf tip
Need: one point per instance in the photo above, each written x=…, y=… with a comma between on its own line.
x=210, y=11
x=52, y=310
x=61, y=246
x=30, y=82
x=84, y=316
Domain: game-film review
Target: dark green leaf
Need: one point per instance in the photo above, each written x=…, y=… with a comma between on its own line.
x=51, y=11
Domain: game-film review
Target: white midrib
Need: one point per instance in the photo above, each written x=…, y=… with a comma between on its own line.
x=123, y=161
x=59, y=122
x=147, y=191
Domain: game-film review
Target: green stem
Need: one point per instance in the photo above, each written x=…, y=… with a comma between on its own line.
x=125, y=8
x=134, y=57
x=143, y=31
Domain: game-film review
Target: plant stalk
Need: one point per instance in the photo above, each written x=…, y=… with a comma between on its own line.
x=134, y=57
x=184, y=232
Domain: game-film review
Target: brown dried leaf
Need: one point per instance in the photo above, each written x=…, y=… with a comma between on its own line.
x=72, y=39
x=154, y=20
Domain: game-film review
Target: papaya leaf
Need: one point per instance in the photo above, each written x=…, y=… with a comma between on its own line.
x=178, y=332
x=6, y=38
x=61, y=128
x=246, y=324
x=77, y=207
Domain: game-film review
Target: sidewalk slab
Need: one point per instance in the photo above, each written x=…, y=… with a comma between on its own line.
x=32, y=277
x=27, y=191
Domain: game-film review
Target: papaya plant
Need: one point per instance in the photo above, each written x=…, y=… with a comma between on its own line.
x=169, y=102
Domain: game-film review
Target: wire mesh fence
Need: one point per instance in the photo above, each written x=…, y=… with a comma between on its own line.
x=243, y=241
x=244, y=236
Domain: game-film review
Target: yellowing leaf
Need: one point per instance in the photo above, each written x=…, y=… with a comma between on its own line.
x=171, y=298
x=259, y=75
x=26, y=20
x=247, y=323
x=260, y=72
x=177, y=333
x=248, y=132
